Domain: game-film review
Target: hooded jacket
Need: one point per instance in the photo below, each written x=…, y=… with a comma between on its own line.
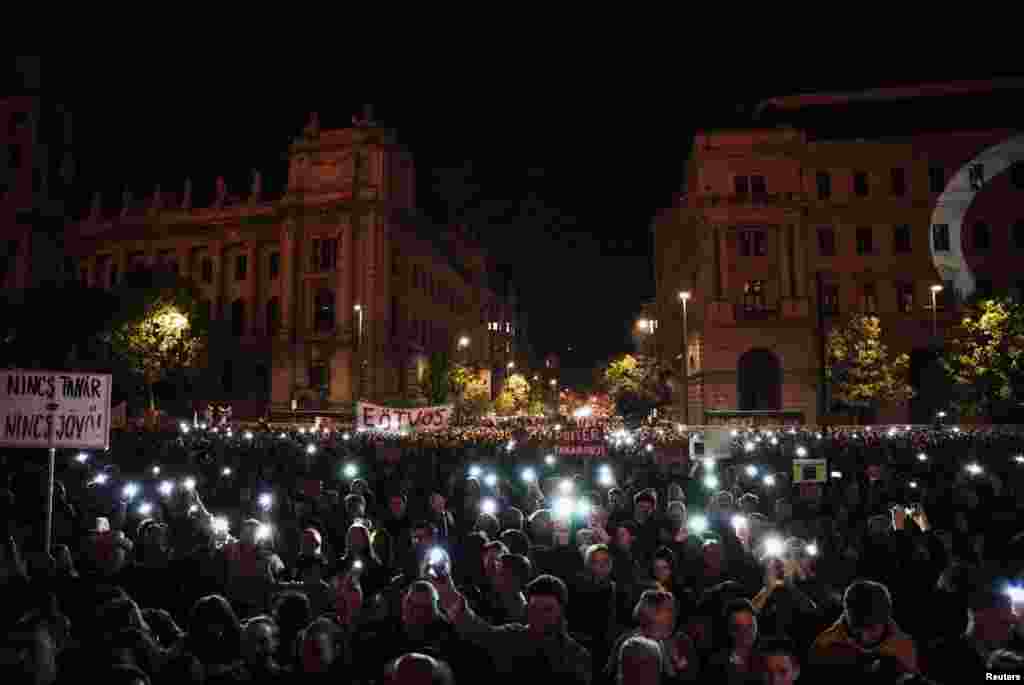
x=837, y=647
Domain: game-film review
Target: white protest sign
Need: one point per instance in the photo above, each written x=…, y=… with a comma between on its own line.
x=61, y=409
x=375, y=416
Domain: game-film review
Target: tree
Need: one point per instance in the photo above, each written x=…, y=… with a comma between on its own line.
x=985, y=362
x=515, y=396
x=858, y=367
x=436, y=383
x=637, y=385
x=475, y=399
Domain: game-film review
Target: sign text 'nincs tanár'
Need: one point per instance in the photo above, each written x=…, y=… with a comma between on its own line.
x=63, y=409
x=376, y=417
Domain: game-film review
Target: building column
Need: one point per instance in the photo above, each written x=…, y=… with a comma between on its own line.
x=785, y=273
x=343, y=365
x=121, y=260
x=253, y=290
x=282, y=384
x=800, y=248
x=185, y=262
x=217, y=257
x=722, y=259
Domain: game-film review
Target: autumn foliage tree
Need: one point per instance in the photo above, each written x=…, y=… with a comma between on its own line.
x=514, y=397
x=859, y=369
x=637, y=385
x=985, y=361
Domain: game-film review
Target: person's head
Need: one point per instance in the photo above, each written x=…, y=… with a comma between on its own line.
x=640, y=661
x=35, y=650
x=165, y=629
x=360, y=487
x=319, y=645
x=741, y=623
x=542, y=527
x=424, y=535
x=516, y=541
x=676, y=513
x=488, y=523
x=292, y=612
x=260, y=637
x=644, y=504
x=990, y=617
x=213, y=630
x=625, y=534
x=616, y=499
x=749, y=503
x=438, y=502
x=777, y=662
x=512, y=519
x=492, y=552
x=675, y=493
x=598, y=560
x=546, y=608
x=418, y=669
x=867, y=608
x=655, y=613
x=724, y=502
x=662, y=565
x=312, y=542
x=396, y=505
x=355, y=506
x=598, y=516
x=357, y=540
x=514, y=571
x=420, y=605
x=713, y=556
x=348, y=598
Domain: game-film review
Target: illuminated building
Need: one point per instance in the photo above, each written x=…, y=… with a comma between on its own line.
x=829, y=205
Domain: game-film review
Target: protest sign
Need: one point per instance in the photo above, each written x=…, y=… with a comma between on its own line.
x=58, y=409
x=377, y=417
x=583, y=438
x=810, y=471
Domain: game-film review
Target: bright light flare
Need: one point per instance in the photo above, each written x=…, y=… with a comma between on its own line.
x=711, y=482
x=145, y=509
x=310, y=449
x=769, y=480
x=564, y=507
x=922, y=457
x=184, y=427
x=350, y=471
x=773, y=547
x=974, y=469
x=263, y=532
x=166, y=488
x=189, y=483
x=130, y=490
x=156, y=470
x=812, y=550
x=837, y=474
x=565, y=486
x=437, y=556
x=248, y=435
x=749, y=446
x=475, y=471
x=226, y=471
x=801, y=451
x=739, y=522
x=549, y=460
x=488, y=506
x=913, y=484
x=220, y=525
x=265, y=500
x=529, y=475
x=490, y=480
x=82, y=457
x=752, y=471
x=698, y=524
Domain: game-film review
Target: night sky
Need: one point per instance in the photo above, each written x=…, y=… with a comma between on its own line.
x=586, y=168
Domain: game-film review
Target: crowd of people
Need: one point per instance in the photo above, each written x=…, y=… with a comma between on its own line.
x=271, y=554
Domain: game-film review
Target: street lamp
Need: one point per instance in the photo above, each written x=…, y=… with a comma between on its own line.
x=684, y=297
x=463, y=342
x=359, y=315
x=511, y=365
x=936, y=289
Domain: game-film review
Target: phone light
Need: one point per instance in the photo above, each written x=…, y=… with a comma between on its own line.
x=773, y=547
x=488, y=506
x=226, y=471
x=583, y=508
x=437, y=556
x=82, y=457
x=475, y=471
x=711, y=481
x=549, y=460
x=565, y=486
x=282, y=436
x=973, y=469
x=166, y=488
x=837, y=474
x=357, y=565
x=564, y=507
x=184, y=427
x=529, y=475
x=801, y=451
x=739, y=522
x=913, y=484
x=698, y=524
x=310, y=449
x=752, y=471
x=769, y=481
x=1019, y=459
x=220, y=525
x=812, y=550
x=346, y=437
x=193, y=509
x=649, y=447
x=774, y=441
x=922, y=457
x=263, y=532
x=749, y=446
x=189, y=483
x=248, y=435
x=265, y=500
x=351, y=471
x=490, y=480
x=145, y=509
x=130, y=490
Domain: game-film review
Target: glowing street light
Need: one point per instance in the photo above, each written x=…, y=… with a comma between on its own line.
x=936, y=289
x=463, y=342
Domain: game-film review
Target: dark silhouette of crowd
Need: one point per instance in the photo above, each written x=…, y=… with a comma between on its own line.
x=281, y=557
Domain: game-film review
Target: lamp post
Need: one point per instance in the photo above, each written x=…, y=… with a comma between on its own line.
x=464, y=345
x=684, y=297
x=359, y=346
x=936, y=289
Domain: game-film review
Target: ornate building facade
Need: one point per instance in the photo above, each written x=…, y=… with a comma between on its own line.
x=339, y=290
x=843, y=204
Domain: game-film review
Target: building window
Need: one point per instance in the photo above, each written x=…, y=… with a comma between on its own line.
x=898, y=182
x=981, y=237
x=324, y=254
x=826, y=241
x=275, y=264
x=753, y=296
x=241, y=266
x=742, y=185
x=976, y=173
x=936, y=179
x=984, y=288
x=207, y=269
x=830, y=298
x=860, y=183
x=753, y=243
x=273, y=316
x=824, y=182
x=865, y=241
x=901, y=239
x=1018, y=234
x=323, y=310
x=1017, y=175
x=758, y=186
x=940, y=237
x=905, y=298
x=238, y=318
x=869, y=299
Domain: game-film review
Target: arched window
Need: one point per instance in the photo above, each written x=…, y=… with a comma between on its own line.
x=323, y=310
x=759, y=380
x=238, y=318
x=273, y=316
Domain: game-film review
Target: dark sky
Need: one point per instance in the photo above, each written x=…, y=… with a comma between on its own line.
x=601, y=160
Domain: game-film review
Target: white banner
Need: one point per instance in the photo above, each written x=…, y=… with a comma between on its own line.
x=54, y=409
x=377, y=417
